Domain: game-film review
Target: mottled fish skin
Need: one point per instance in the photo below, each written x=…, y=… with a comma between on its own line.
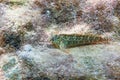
x=63, y=41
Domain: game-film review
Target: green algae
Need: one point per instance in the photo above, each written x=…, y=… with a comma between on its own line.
x=9, y=64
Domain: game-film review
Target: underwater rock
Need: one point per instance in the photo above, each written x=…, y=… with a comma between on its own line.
x=114, y=68
x=88, y=61
x=59, y=11
x=91, y=62
x=11, y=67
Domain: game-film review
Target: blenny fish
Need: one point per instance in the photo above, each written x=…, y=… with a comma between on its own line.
x=63, y=41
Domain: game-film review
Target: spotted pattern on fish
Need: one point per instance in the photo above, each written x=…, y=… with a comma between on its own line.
x=73, y=40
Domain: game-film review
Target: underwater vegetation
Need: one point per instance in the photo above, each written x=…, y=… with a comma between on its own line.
x=12, y=71
x=9, y=65
x=72, y=40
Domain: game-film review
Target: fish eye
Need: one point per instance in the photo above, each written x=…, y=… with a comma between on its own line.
x=54, y=38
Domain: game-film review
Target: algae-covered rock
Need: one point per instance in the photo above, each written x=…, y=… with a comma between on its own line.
x=11, y=66
x=114, y=68
x=80, y=63
x=91, y=62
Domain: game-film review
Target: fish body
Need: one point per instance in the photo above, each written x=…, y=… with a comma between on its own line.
x=63, y=41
